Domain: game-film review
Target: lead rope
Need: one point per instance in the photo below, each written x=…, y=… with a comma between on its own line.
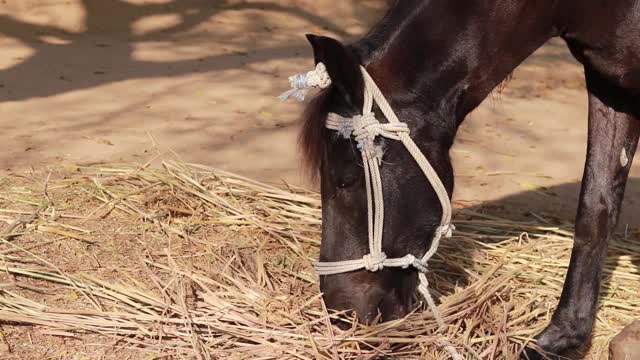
x=365, y=128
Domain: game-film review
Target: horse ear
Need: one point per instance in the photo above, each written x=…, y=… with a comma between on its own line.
x=343, y=67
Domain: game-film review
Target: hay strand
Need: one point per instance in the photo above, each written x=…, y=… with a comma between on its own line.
x=211, y=265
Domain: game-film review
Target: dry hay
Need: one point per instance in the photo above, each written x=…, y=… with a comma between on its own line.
x=187, y=261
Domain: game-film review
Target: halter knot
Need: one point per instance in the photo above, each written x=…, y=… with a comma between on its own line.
x=366, y=126
x=420, y=266
x=446, y=230
x=318, y=78
x=408, y=261
x=302, y=83
x=374, y=262
x=365, y=130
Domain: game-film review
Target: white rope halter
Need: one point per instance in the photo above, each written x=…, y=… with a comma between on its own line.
x=365, y=129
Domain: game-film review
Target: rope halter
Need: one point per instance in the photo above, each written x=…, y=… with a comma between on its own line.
x=365, y=129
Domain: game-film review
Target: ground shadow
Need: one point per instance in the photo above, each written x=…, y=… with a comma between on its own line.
x=556, y=206
x=105, y=63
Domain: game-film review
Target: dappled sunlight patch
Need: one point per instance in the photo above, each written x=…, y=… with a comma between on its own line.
x=155, y=23
x=14, y=52
x=54, y=40
x=68, y=15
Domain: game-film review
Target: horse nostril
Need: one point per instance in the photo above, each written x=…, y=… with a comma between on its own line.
x=341, y=324
x=363, y=309
x=371, y=317
x=394, y=306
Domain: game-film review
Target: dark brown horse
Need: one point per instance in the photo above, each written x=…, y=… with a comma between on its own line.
x=435, y=61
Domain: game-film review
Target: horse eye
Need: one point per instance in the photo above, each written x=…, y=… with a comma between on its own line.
x=346, y=181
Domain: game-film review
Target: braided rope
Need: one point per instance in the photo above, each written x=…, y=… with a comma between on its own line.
x=365, y=129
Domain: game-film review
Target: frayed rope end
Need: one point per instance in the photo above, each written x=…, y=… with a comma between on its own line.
x=302, y=83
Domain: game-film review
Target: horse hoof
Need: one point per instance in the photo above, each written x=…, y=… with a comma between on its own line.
x=563, y=341
x=626, y=345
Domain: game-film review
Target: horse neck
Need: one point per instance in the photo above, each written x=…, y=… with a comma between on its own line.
x=446, y=56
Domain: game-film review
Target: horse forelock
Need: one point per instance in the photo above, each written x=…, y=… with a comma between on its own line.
x=312, y=140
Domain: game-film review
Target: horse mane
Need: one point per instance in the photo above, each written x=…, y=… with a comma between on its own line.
x=312, y=140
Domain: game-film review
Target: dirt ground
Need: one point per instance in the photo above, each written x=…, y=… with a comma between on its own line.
x=95, y=81
x=92, y=81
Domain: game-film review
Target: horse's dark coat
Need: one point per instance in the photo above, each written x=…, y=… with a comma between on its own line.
x=435, y=61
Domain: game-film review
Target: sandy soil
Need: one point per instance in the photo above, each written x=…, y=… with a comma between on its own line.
x=94, y=81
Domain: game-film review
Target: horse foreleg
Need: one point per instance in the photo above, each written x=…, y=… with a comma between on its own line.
x=612, y=142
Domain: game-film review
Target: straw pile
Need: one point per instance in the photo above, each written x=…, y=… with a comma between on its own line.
x=186, y=261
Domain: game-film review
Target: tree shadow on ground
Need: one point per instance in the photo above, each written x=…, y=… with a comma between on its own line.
x=104, y=19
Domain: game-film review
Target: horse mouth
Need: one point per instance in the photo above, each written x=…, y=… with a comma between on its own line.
x=369, y=304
